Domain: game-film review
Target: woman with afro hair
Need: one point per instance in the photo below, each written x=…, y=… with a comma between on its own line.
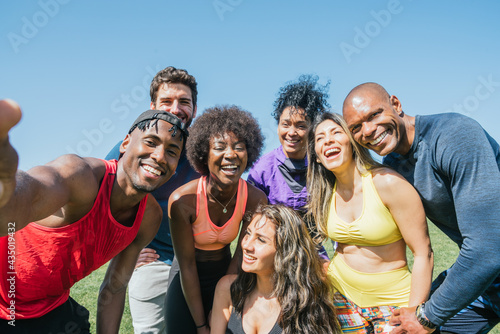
x=206, y=214
x=281, y=174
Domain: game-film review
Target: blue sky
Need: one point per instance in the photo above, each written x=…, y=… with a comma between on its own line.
x=81, y=69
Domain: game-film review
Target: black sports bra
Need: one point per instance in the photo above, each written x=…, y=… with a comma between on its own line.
x=235, y=325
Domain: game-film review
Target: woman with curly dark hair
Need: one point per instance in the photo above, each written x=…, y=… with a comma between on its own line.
x=206, y=214
x=281, y=174
x=281, y=287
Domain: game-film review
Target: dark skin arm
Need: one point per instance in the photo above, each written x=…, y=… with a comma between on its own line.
x=59, y=193
x=111, y=300
x=182, y=205
x=10, y=115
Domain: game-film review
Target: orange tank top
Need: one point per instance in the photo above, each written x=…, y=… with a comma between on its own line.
x=207, y=235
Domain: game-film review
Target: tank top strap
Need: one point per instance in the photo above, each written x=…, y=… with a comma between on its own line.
x=106, y=184
x=370, y=193
x=201, y=195
x=241, y=197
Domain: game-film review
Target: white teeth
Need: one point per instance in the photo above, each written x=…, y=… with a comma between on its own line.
x=332, y=151
x=292, y=141
x=152, y=170
x=379, y=138
x=229, y=167
x=249, y=257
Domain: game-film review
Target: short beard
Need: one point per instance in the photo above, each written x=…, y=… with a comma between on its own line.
x=144, y=188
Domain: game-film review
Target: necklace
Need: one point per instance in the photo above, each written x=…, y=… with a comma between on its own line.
x=224, y=206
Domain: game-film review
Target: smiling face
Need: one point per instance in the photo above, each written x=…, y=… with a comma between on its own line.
x=150, y=157
x=175, y=98
x=375, y=120
x=227, y=158
x=292, y=132
x=332, y=146
x=259, y=246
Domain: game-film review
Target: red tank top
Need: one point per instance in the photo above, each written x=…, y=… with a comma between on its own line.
x=48, y=261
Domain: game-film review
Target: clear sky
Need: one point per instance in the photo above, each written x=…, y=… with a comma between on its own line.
x=81, y=69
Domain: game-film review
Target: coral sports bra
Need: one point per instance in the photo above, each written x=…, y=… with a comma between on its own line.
x=207, y=235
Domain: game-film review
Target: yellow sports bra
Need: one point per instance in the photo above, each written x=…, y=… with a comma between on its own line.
x=207, y=235
x=375, y=226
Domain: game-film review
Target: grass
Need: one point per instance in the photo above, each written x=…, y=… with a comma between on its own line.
x=85, y=292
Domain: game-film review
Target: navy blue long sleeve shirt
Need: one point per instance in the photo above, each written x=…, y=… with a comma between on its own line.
x=455, y=166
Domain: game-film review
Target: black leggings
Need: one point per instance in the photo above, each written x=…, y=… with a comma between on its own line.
x=177, y=315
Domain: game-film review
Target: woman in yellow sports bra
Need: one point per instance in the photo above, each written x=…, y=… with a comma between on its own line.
x=206, y=214
x=373, y=214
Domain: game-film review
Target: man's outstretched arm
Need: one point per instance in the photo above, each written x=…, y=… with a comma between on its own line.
x=10, y=115
x=68, y=182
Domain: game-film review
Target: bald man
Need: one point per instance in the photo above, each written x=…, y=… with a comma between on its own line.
x=455, y=166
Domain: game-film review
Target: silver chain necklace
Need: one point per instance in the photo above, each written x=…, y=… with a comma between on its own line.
x=224, y=206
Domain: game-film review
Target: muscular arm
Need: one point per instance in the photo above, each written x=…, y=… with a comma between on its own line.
x=64, y=188
x=467, y=161
x=407, y=210
x=111, y=300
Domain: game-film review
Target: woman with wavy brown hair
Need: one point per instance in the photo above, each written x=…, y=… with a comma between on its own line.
x=373, y=214
x=281, y=287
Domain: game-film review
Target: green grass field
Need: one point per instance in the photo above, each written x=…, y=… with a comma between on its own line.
x=85, y=292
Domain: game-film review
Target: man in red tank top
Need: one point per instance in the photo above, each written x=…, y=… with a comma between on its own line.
x=61, y=221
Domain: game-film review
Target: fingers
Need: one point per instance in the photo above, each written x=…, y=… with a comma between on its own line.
x=397, y=330
x=147, y=255
x=148, y=250
x=395, y=318
x=10, y=115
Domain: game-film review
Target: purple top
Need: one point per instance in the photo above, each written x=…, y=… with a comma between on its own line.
x=283, y=180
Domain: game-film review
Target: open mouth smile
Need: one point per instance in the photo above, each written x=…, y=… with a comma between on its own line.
x=152, y=170
x=331, y=152
x=249, y=258
x=230, y=169
x=379, y=138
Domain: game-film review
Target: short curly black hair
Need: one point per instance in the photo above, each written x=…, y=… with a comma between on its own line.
x=304, y=93
x=217, y=121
